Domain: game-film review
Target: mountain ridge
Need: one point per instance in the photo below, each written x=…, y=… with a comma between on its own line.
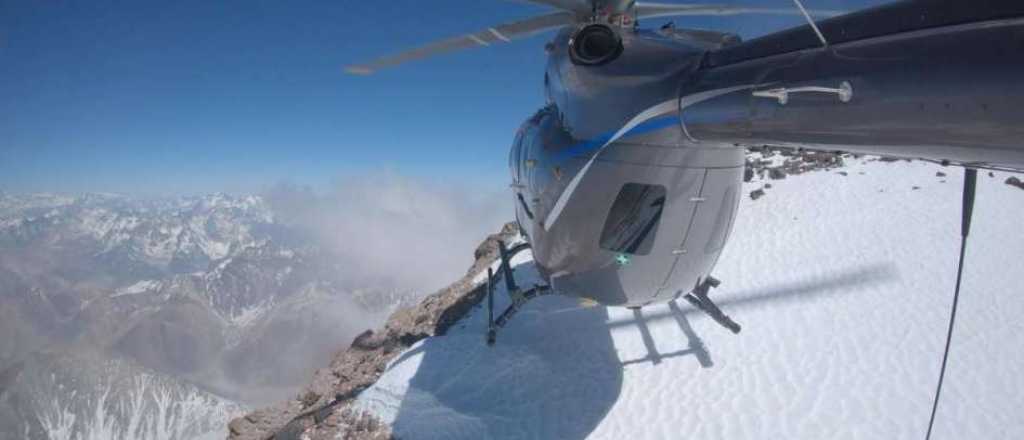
x=212, y=293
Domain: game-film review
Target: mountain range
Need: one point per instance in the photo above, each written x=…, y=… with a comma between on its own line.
x=162, y=318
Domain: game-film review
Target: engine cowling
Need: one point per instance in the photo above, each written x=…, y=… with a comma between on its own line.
x=595, y=45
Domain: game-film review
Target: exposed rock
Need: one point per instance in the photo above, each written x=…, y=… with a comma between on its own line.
x=1014, y=181
x=940, y=174
x=322, y=411
x=795, y=162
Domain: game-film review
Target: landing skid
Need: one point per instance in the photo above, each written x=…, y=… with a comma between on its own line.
x=519, y=297
x=699, y=298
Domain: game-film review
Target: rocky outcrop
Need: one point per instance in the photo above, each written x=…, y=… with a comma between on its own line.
x=322, y=410
x=776, y=163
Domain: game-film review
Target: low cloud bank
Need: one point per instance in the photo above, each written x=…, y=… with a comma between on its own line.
x=408, y=233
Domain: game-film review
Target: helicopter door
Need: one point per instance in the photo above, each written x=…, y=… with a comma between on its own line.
x=708, y=221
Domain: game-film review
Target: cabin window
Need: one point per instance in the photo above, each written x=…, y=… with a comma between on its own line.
x=633, y=220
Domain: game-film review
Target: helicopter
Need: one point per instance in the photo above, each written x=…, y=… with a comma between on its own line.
x=626, y=183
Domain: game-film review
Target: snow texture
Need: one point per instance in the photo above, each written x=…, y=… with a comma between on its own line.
x=843, y=285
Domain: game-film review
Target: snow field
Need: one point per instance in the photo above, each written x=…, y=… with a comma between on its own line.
x=842, y=285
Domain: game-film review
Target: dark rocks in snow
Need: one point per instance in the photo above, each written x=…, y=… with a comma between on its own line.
x=991, y=174
x=806, y=161
x=940, y=174
x=759, y=167
x=843, y=173
x=915, y=188
x=887, y=159
x=1014, y=181
x=322, y=410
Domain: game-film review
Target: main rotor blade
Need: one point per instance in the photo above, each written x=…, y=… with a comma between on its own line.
x=577, y=6
x=651, y=10
x=502, y=33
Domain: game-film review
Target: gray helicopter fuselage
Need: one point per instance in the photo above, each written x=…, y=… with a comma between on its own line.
x=649, y=213
x=627, y=183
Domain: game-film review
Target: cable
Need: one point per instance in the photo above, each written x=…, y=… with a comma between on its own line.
x=810, y=21
x=970, y=181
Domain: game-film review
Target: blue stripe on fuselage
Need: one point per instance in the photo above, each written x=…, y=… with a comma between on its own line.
x=582, y=148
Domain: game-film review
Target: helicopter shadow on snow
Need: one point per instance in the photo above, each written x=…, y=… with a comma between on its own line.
x=554, y=371
x=544, y=378
x=838, y=283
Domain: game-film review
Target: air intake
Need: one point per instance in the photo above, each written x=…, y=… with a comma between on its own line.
x=594, y=45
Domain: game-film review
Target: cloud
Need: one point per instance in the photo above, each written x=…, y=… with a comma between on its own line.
x=409, y=233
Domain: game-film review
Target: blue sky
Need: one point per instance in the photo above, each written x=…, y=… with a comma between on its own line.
x=202, y=96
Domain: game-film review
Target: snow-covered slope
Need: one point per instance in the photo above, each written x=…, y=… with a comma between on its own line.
x=843, y=284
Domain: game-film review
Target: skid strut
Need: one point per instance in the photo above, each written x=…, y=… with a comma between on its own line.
x=699, y=298
x=519, y=297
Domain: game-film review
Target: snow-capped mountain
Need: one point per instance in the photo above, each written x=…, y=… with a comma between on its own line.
x=133, y=237
x=80, y=395
x=210, y=296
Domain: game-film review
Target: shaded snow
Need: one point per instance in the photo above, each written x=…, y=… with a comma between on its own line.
x=843, y=286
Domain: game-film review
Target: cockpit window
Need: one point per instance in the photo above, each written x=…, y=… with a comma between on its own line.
x=548, y=97
x=633, y=220
x=513, y=155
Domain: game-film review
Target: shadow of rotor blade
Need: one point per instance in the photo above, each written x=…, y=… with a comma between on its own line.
x=792, y=292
